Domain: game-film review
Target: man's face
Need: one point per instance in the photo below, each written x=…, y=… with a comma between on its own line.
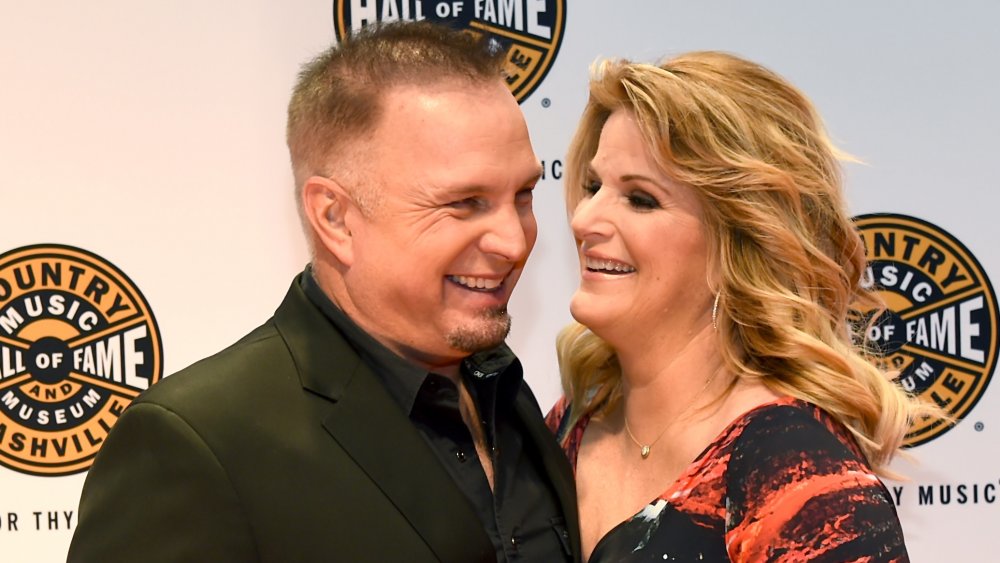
x=435, y=261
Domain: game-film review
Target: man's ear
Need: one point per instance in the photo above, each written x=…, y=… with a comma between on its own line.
x=326, y=205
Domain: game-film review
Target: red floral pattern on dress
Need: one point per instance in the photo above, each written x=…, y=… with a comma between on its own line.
x=784, y=482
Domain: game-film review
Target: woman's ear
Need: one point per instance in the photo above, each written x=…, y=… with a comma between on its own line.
x=325, y=204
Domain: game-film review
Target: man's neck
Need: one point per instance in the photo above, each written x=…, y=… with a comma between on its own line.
x=331, y=284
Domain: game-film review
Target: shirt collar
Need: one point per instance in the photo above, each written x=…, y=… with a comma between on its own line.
x=496, y=369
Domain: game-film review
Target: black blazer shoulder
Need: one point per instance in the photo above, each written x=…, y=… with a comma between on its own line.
x=295, y=450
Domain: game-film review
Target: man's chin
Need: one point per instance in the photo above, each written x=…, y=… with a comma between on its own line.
x=484, y=333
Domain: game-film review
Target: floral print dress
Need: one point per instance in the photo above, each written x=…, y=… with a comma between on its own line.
x=784, y=482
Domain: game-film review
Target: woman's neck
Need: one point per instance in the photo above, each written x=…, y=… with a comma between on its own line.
x=670, y=380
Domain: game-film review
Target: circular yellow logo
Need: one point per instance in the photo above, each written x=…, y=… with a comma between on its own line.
x=77, y=343
x=939, y=327
x=530, y=31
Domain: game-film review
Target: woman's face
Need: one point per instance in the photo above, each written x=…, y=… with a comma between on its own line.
x=642, y=245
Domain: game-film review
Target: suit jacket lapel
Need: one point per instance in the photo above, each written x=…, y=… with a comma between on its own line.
x=371, y=427
x=379, y=437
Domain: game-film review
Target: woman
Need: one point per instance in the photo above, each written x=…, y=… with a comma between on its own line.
x=716, y=408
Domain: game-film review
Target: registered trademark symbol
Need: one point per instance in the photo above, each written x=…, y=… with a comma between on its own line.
x=979, y=426
x=546, y=102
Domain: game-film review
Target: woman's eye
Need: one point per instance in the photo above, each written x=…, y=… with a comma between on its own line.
x=642, y=201
x=591, y=187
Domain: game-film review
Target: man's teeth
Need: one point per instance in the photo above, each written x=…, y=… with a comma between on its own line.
x=609, y=266
x=476, y=283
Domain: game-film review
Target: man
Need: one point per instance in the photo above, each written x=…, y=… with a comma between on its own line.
x=377, y=416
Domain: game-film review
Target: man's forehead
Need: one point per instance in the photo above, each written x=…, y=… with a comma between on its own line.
x=455, y=139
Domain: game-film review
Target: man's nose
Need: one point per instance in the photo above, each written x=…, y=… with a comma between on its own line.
x=510, y=234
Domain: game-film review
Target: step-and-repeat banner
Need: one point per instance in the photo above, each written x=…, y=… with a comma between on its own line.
x=147, y=217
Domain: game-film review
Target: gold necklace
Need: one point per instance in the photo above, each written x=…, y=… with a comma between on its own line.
x=645, y=449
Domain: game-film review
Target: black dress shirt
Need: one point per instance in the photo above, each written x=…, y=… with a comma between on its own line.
x=521, y=514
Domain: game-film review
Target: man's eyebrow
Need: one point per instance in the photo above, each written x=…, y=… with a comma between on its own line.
x=534, y=178
x=462, y=191
x=469, y=190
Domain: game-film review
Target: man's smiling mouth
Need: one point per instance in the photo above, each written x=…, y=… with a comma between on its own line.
x=477, y=284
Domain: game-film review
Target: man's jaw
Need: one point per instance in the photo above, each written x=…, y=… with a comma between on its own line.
x=487, y=323
x=484, y=333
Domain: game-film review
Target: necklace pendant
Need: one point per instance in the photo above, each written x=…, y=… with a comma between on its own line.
x=644, y=452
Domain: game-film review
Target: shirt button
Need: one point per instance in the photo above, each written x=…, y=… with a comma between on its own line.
x=461, y=456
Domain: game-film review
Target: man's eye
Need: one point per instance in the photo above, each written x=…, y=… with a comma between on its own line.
x=590, y=187
x=468, y=204
x=524, y=197
x=642, y=201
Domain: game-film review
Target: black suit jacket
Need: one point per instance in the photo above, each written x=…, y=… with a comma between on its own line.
x=285, y=447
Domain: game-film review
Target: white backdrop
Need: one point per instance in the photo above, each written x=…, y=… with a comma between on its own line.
x=152, y=135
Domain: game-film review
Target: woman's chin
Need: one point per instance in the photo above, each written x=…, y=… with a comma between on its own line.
x=599, y=319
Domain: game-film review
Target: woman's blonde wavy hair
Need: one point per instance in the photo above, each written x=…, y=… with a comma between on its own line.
x=787, y=258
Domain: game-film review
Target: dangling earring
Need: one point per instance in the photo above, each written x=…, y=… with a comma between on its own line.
x=715, y=313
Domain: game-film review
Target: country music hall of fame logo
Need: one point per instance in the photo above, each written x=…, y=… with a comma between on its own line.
x=77, y=343
x=530, y=31
x=939, y=326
